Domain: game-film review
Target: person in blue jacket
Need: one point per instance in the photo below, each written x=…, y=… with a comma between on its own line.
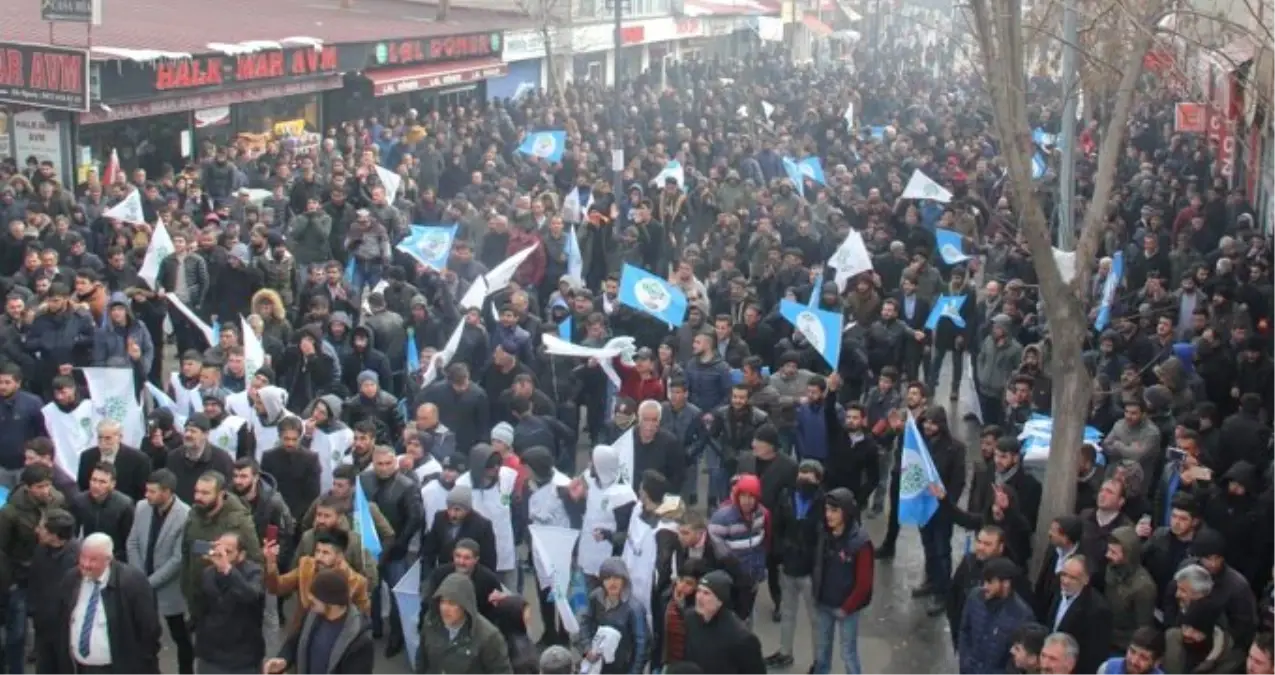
x=1146, y=647
x=992, y=614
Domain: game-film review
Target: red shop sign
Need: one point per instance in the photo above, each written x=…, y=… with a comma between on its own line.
x=214, y=71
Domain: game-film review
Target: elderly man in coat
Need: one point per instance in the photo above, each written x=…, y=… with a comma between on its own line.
x=157, y=552
x=127, y=640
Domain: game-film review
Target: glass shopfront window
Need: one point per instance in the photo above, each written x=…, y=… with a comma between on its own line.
x=291, y=120
x=150, y=143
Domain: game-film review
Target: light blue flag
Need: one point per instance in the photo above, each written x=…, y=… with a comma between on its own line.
x=916, y=504
x=737, y=374
x=349, y=271
x=363, y=521
x=407, y=596
x=812, y=168
x=822, y=329
x=648, y=293
x=413, y=353
x=431, y=245
x=816, y=291
x=564, y=329
x=1042, y=139
x=575, y=261
x=794, y=174
x=877, y=133
x=950, y=246
x=946, y=307
x=1109, y=291
x=216, y=332
x=931, y=212
x=547, y=145
x=1039, y=166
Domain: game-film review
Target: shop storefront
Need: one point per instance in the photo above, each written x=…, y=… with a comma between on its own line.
x=525, y=58
x=165, y=112
x=427, y=74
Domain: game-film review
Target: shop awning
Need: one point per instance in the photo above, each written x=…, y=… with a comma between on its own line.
x=816, y=26
x=416, y=78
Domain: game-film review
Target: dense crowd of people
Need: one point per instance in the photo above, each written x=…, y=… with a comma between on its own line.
x=391, y=427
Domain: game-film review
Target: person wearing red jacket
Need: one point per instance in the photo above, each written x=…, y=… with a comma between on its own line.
x=842, y=581
x=639, y=381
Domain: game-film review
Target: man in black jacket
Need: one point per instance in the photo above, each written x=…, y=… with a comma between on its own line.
x=399, y=499
x=778, y=475
x=459, y=521
x=695, y=542
x=132, y=467
x=718, y=641
x=296, y=470
x=465, y=560
x=1009, y=471
x=656, y=449
x=795, y=520
x=102, y=508
x=462, y=406
x=936, y=536
x=229, y=627
x=56, y=555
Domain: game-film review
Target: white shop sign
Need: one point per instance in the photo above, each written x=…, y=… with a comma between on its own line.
x=34, y=136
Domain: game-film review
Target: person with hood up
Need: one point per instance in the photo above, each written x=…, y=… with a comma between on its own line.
x=270, y=406
x=612, y=605
x=716, y=638
x=841, y=582
x=332, y=638
x=1174, y=374
x=1234, y=509
x=743, y=524
x=162, y=437
x=609, y=504
x=1130, y=590
x=306, y=369
x=494, y=495
x=363, y=356
x=936, y=536
x=123, y=340
x=455, y=637
x=231, y=290
x=1230, y=592
x=1199, y=644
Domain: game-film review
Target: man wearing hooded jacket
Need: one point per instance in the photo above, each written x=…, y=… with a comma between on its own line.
x=936, y=536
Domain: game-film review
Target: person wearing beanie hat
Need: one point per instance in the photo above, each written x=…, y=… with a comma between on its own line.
x=495, y=489
x=989, y=618
x=998, y=358
x=842, y=584
x=376, y=405
x=717, y=640
x=184, y=384
x=231, y=433
x=777, y=473
x=741, y=524
x=336, y=635
x=456, y=522
x=795, y=524
x=612, y=604
x=1200, y=643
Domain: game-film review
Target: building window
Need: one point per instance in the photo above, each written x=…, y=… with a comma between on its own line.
x=587, y=9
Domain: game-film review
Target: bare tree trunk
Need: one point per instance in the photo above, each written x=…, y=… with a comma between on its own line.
x=444, y=6
x=551, y=66
x=999, y=28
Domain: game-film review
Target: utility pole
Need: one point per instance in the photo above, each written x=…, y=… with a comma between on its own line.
x=1067, y=173
x=618, y=6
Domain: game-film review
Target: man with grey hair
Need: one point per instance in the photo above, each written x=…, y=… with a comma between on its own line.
x=557, y=660
x=1190, y=584
x=657, y=449
x=107, y=632
x=1081, y=612
x=1059, y=655
x=132, y=466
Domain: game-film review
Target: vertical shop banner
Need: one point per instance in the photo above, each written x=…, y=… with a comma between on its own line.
x=34, y=136
x=1221, y=132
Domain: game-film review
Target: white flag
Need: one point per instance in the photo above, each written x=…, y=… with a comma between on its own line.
x=850, y=259
x=1066, y=261
x=848, y=116
x=129, y=210
x=390, y=180
x=194, y=319
x=768, y=109
x=72, y=433
x=623, y=347
x=160, y=247
x=499, y=276
x=441, y=359
x=742, y=111
x=475, y=294
x=111, y=391
x=571, y=211
x=254, y=355
x=551, y=549
x=921, y=186
x=624, y=447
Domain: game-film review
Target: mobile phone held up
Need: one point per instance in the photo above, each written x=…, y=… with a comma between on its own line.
x=201, y=548
x=272, y=533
